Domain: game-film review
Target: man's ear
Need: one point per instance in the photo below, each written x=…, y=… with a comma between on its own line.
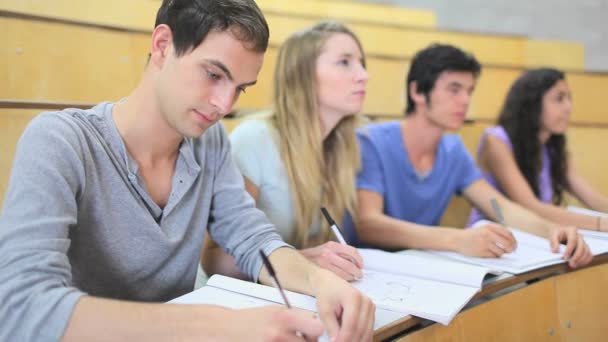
x=417, y=97
x=162, y=43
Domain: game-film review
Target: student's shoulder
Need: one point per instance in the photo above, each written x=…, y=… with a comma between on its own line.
x=452, y=142
x=254, y=128
x=254, y=132
x=498, y=132
x=68, y=124
x=378, y=130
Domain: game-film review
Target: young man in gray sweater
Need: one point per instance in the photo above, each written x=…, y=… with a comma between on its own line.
x=107, y=207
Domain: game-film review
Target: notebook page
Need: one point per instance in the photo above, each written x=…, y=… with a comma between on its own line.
x=532, y=252
x=424, y=267
x=210, y=294
x=434, y=300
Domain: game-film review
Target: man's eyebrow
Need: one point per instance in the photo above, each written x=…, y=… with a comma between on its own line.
x=221, y=66
x=455, y=84
x=225, y=69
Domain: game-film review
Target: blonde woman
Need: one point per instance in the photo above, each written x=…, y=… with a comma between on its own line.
x=305, y=155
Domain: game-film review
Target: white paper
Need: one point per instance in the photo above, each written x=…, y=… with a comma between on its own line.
x=423, y=267
x=434, y=300
x=532, y=252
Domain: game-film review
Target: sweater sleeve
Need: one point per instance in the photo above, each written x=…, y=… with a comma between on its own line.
x=235, y=222
x=36, y=294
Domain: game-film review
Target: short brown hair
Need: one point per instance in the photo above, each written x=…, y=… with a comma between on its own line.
x=191, y=20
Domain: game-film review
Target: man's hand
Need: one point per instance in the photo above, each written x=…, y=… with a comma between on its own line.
x=577, y=252
x=347, y=314
x=343, y=260
x=489, y=240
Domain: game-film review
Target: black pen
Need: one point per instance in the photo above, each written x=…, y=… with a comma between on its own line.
x=334, y=226
x=277, y=284
x=338, y=232
x=275, y=280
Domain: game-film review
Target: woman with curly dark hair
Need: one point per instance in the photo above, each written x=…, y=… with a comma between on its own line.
x=525, y=156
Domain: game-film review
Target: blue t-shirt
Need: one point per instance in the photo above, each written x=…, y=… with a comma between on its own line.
x=408, y=195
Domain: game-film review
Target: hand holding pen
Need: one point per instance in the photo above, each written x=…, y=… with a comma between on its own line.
x=489, y=240
x=338, y=257
x=300, y=324
x=346, y=313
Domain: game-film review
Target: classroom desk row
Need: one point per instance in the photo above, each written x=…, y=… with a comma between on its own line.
x=554, y=303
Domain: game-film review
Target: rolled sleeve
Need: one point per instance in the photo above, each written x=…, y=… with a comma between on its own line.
x=235, y=223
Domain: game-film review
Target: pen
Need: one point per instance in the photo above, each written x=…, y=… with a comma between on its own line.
x=334, y=226
x=276, y=283
x=338, y=232
x=275, y=280
x=497, y=211
x=499, y=217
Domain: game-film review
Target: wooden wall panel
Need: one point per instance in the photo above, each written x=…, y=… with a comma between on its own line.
x=53, y=61
x=581, y=304
x=12, y=124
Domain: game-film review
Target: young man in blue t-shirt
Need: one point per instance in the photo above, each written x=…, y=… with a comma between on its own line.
x=411, y=169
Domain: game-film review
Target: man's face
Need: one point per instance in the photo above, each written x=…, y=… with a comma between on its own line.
x=197, y=89
x=449, y=100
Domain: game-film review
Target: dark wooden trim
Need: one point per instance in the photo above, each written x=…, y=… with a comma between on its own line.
x=243, y=112
x=58, y=105
x=30, y=104
x=394, y=25
x=72, y=22
x=400, y=58
x=578, y=124
x=473, y=120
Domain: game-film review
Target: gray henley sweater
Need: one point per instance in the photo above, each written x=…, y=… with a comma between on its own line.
x=77, y=220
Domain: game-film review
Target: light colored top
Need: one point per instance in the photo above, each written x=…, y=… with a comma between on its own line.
x=544, y=177
x=255, y=149
x=77, y=220
x=408, y=195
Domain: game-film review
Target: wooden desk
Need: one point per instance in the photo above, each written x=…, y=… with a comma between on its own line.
x=565, y=305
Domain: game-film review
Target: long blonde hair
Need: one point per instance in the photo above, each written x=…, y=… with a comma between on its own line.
x=321, y=171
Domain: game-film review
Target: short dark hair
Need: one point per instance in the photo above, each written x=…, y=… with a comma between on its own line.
x=191, y=20
x=430, y=62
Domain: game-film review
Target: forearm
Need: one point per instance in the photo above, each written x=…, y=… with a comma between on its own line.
x=294, y=271
x=97, y=319
x=562, y=216
x=596, y=201
x=215, y=261
x=518, y=217
x=390, y=233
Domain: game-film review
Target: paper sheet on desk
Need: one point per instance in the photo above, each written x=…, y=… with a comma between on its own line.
x=239, y=294
x=434, y=300
x=532, y=252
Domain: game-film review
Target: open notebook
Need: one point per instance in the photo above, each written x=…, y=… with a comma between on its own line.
x=430, y=288
x=240, y=294
x=398, y=284
x=532, y=252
